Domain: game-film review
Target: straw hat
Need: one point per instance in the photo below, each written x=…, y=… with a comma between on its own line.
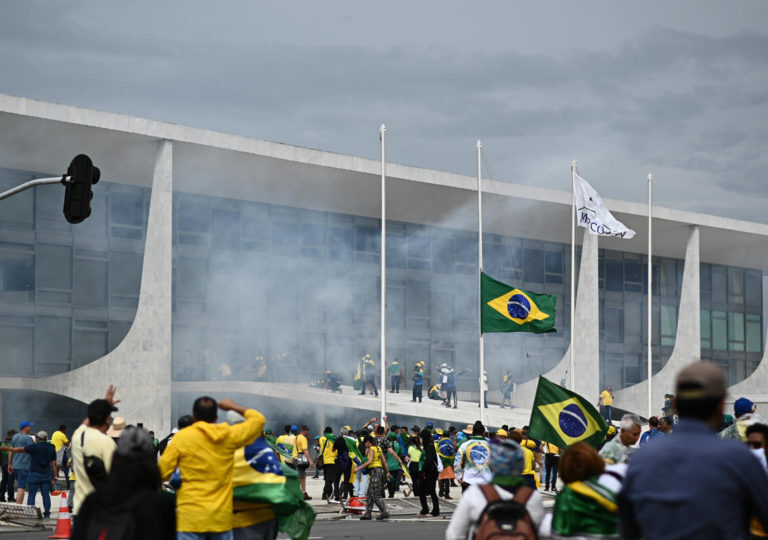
x=117, y=427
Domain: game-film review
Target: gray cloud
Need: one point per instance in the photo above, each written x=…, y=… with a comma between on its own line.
x=683, y=97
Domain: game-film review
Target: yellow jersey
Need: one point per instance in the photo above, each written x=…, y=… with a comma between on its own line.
x=607, y=398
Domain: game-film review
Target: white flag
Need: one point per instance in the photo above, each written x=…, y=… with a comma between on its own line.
x=592, y=214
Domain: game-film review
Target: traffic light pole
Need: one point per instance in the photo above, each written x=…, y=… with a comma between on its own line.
x=36, y=182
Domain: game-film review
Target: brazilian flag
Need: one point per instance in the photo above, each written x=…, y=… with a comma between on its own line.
x=563, y=417
x=504, y=308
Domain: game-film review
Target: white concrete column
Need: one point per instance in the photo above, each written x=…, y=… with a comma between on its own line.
x=140, y=366
x=687, y=341
x=587, y=338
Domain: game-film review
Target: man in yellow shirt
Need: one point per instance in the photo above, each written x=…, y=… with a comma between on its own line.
x=331, y=487
x=300, y=464
x=551, y=464
x=606, y=397
x=61, y=445
x=204, y=453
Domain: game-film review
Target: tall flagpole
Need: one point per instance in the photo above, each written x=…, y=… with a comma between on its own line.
x=383, y=355
x=573, y=272
x=650, y=295
x=480, y=272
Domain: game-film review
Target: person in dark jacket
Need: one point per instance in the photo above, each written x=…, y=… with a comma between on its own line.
x=428, y=475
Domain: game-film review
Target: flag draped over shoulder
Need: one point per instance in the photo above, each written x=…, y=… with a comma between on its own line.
x=592, y=214
x=563, y=417
x=504, y=308
x=260, y=478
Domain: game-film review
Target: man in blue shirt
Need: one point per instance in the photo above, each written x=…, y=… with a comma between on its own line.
x=653, y=432
x=691, y=484
x=42, y=470
x=18, y=464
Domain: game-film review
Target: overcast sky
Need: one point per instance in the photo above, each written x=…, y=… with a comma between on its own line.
x=679, y=89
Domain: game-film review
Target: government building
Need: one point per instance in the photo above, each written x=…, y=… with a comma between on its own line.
x=215, y=261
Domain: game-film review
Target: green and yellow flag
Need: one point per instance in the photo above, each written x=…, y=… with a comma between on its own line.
x=504, y=308
x=563, y=417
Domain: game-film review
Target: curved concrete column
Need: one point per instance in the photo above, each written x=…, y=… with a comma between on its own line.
x=687, y=342
x=140, y=366
x=587, y=338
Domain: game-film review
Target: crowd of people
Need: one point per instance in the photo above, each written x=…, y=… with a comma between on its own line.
x=664, y=483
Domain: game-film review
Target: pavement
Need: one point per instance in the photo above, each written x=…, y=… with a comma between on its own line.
x=403, y=510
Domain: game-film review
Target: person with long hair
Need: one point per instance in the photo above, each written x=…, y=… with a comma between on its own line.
x=428, y=473
x=378, y=474
x=414, y=456
x=130, y=500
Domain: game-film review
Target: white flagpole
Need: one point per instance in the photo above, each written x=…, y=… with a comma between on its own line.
x=383, y=355
x=480, y=273
x=573, y=272
x=650, y=294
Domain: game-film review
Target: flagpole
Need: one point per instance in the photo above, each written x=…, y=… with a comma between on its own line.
x=480, y=272
x=650, y=294
x=573, y=270
x=383, y=355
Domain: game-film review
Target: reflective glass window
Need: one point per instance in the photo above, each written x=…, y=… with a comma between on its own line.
x=735, y=285
x=736, y=331
x=127, y=209
x=613, y=281
x=668, y=325
x=225, y=229
x=706, y=330
x=719, y=331
x=533, y=265
x=90, y=283
x=719, y=285
x=193, y=214
x=753, y=288
x=754, y=334
x=341, y=244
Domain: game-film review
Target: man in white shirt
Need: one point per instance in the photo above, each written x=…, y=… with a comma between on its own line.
x=90, y=440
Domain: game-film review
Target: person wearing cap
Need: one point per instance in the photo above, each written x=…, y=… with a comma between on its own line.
x=745, y=412
x=506, y=463
x=418, y=381
x=132, y=488
x=42, y=470
x=708, y=488
x=204, y=452
x=90, y=439
x=18, y=464
x=444, y=370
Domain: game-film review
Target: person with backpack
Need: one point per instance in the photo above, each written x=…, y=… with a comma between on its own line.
x=504, y=508
x=130, y=505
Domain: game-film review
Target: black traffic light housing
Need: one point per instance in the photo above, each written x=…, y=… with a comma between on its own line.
x=77, y=198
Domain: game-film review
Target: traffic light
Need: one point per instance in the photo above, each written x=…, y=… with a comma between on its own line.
x=77, y=198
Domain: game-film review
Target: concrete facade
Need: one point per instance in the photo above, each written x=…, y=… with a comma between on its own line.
x=187, y=158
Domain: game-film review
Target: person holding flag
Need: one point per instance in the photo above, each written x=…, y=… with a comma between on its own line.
x=446, y=452
x=471, y=461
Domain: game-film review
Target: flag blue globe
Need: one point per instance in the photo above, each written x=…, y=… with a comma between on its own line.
x=518, y=306
x=572, y=420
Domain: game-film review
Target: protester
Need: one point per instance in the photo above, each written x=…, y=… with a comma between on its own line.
x=343, y=484
x=19, y=464
x=6, y=484
x=394, y=464
x=394, y=376
x=620, y=449
x=528, y=474
x=378, y=474
x=132, y=490
x=116, y=428
x=606, y=399
x=653, y=431
x=42, y=470
x=471, y=462
x=446, y=450
x=301, y=459
x=551, y=465
x=429, y=470
x=204, y=454
x=329, y=455
x=745, y=412
x=692, y=485
x=418, y=381
x=506, y=464
x=506, y=390
x=413, y=458
x=183, y=421
x=587, y=503
x=92, y=449
x=332, y=381
x=61, y=443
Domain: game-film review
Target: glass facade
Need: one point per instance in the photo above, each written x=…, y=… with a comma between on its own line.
x=68, y=295
x=264, y=291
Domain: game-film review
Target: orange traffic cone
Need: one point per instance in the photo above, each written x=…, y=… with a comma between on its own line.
x=63, y=524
